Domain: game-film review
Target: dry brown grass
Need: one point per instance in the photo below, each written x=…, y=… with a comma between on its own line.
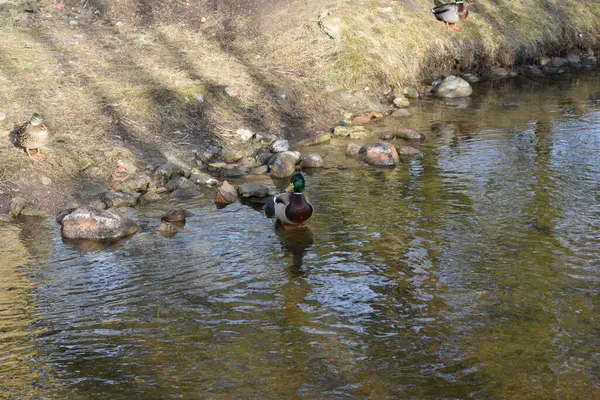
x=121, y=79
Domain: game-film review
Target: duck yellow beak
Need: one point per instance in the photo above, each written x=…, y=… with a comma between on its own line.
x=289, y=188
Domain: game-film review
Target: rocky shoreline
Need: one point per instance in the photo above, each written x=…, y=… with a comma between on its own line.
x=206, y=172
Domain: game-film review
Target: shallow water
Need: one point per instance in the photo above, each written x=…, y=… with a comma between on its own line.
x=470, y=272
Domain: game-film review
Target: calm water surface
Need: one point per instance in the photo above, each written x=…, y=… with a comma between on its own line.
x=471, y=272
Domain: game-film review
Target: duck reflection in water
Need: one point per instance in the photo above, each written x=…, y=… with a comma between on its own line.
x=295, y=242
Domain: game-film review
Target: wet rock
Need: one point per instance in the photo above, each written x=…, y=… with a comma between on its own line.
x=532, y=70
x=400, y=113
x=244, y=134
x=233, y=172
x=149, y=197
x=256, y=190
x=410, y=93
x=227, y=194
x=410, y=134
x=202, y=178
x=382, y=155
x=553, y=70
x=176, y=215
x=263, y=169
x=279, y=146
x=120, y=199
x=386, y=135
x=588, y=61
x=558, y=62
x=185, y=192
x=452, y=86
x=576, y=66
x=407, y=151
x=499, y=73
x=401, y=101
x=353, y=150
x=284, y=165
x=170, y=229
x=179, y=182
x=573, y=58
x=163, y=173
x=17, y=204
x=332, y=26
x=471, y=78
x=135, y=184
x=89, y=223
x=312, y=161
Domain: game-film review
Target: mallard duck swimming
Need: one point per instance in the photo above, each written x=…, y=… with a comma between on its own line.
x=451, y=14
x=32, y=135
x=292, y=207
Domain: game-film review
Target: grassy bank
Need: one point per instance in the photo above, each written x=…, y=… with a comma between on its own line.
x=149, y=81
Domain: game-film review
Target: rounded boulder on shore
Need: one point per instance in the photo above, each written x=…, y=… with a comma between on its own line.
x=452, y=86
x=89, y=223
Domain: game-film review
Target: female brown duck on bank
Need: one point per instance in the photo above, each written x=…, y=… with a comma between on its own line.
x=291, y=207
x=451, y=14
x=32, y=136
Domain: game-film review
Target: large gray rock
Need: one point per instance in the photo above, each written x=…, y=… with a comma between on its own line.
x=573, y=58
x=185, y=192
x=227, y=194
x=202, y=178
x=163, y=173
x=179, y=182
x=149, y=197
x=452, y=86
x=382, y=155
x=558, y=62
x=312, y=161
x=279, y=146
x=89, y=223
x=533, y=70
x=135, y=184
x=588, y=61
x=120, y=199
x=409, y=133
x=253, y=190
x=285, y=164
